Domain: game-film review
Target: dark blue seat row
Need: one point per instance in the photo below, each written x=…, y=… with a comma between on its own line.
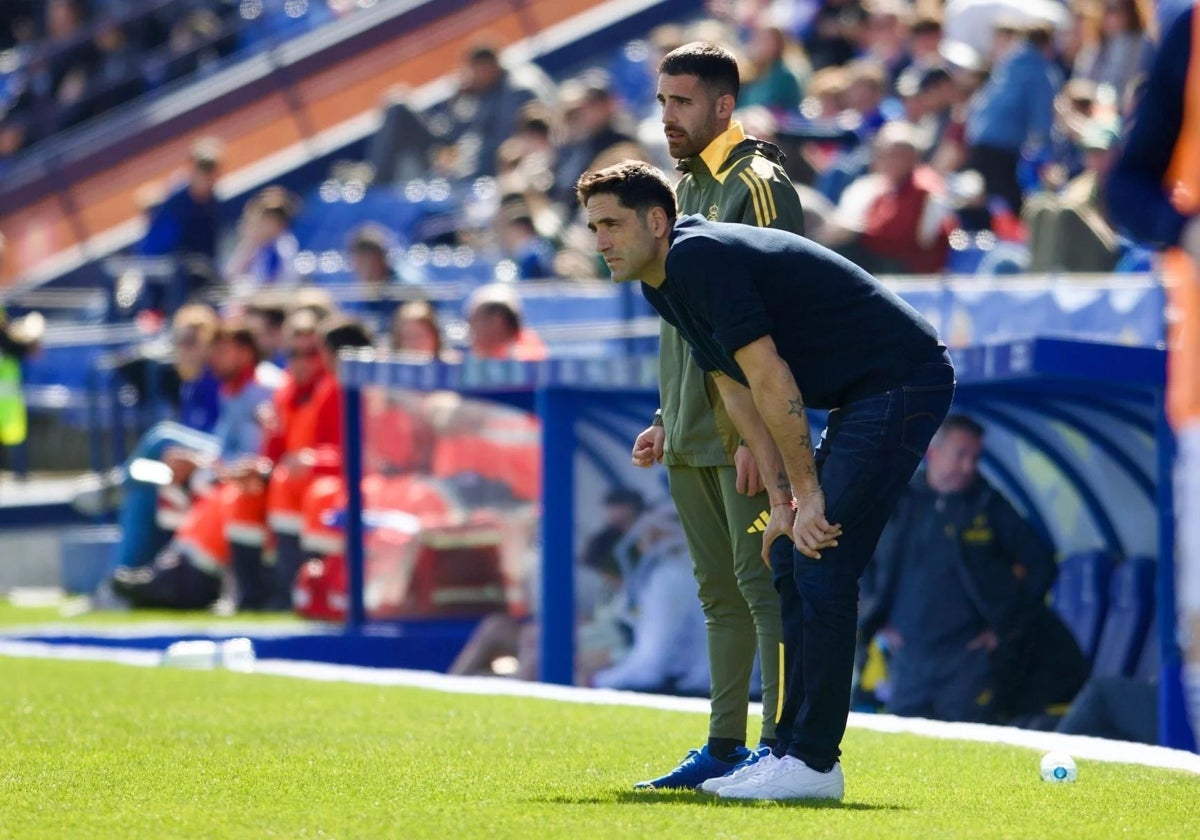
x=413, y=213
x=1109, y=607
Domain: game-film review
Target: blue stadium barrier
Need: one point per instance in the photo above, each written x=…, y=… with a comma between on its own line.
x=1081, y=597
x=1130, y=609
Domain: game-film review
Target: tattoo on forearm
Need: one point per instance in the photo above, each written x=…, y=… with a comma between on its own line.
x=796, y=407
x=782, y=482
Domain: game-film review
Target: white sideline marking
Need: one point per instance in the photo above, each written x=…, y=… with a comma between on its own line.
x=79, y=653
x=147, y=629
x=1094, y=749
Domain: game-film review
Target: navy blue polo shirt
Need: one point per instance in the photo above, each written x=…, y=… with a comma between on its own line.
x=842, y=333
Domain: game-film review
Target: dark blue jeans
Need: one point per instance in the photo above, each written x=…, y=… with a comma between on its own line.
x=867, y=455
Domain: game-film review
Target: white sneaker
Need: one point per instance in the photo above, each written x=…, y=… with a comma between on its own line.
x=741, y=774
x=789, y=778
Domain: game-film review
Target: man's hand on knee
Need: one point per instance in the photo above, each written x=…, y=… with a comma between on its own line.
x=812, y=532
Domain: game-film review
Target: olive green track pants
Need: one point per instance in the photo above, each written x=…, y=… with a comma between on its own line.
x=741, y=606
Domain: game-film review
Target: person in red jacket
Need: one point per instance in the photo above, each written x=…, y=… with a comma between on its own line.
x=257, y=504
x=890, y=220
x=229, y=525
x=311, y=449
x=303, y=444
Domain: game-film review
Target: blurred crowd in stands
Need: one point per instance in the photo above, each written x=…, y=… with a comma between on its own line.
x=63, y=62
x=921, y=140
x=923, y=137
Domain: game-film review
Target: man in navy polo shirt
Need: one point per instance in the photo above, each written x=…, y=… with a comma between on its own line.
x=783, y=323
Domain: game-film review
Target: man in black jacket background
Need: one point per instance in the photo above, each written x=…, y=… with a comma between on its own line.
x=957, y=596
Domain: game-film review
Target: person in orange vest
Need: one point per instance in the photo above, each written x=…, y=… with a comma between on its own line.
x=1154, y=194
x=311, y=441
x=303, y=443
x=228, y=527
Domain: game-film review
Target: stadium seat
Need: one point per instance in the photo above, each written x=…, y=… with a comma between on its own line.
x=1004, y=258
x=1133, y=259
x=1149, y=659
x=632, y=82
x=1130, y=606
x=1081, y=596
x=503, y=449
x=964, y=260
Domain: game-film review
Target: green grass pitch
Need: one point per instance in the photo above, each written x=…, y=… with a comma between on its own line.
x=112, y=751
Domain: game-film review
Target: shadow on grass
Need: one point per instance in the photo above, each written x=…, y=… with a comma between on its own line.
x=684, y=797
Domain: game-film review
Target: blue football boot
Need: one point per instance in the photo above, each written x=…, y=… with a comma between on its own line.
x=696, y=767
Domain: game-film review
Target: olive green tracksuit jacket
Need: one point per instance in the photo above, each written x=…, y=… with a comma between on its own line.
x=735, y=179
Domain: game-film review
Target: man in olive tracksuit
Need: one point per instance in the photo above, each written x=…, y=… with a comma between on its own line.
x=728, y=177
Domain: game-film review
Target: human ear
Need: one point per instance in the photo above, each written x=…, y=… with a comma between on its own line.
x=658, y=221
x=725, y=106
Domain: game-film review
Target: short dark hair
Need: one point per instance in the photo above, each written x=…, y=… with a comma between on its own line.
x=637, y=185
x=926, y=24
x=235, y=330
x=483, y=52
x=934, y=76
x=502, y=309
x=712, y=64
x=961, y=423
x=338, y=333
x=1040, y=35
x=626, y=496
x=270, y=306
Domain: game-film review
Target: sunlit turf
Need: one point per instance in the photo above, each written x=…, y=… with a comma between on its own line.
x=104, y=750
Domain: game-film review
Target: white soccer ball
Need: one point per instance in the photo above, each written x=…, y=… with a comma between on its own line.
x=1058, y=767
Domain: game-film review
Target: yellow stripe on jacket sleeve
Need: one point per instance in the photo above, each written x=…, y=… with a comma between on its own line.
x=763, y=197
x=770, y=199
x=760, y=210
x=768, y=194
